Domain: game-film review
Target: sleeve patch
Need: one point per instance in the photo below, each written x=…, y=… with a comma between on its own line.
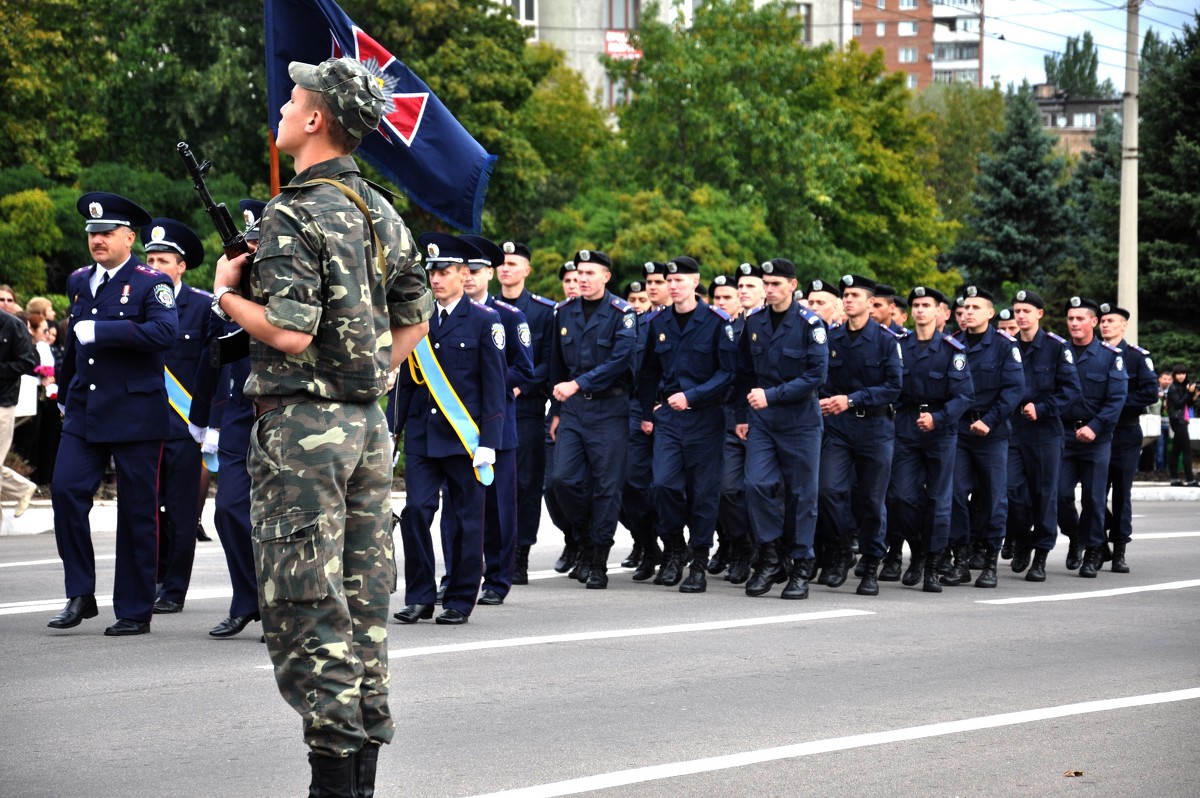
x=960, y=361
x=498, y=336
x=819, y=335
x=165, y=295
x=523, y=335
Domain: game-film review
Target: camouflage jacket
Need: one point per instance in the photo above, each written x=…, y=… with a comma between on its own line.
x=315, y=272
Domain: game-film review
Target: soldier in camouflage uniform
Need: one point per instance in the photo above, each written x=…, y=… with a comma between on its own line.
x=337, y=300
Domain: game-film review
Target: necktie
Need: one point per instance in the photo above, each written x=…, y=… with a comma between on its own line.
x=441, y=317
x=103, y=282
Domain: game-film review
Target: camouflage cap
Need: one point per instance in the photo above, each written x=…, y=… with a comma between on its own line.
x=354, y=95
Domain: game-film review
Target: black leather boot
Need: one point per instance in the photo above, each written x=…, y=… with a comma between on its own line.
x=797, y=586
x=959, y=573
x=696, y=581
x=836, y=572
x=977, y=550
x=566, y=560
x=521, y=569
x=1006, y=550
x=1037, y=569
x=869, y=586
x=332, y=777
x=932, y=583
x=739, y=570
x=1091, y=563
x=912, y=575
x=768, y=572
x=583, y=563
x=1119, y=566
x=1020, y=557
x=945, y=562
x=720, y=561
x=651, y=557
x=365, y=762
x=672, y=572
x=635, y=556
x=1074, y=557
x=598, y=571
x=987, y=577
x=664, y=561
x=893, y=563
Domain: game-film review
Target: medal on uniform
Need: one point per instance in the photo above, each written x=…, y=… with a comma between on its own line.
x=125, y=294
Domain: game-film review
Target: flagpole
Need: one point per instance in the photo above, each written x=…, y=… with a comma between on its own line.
x=274, y=162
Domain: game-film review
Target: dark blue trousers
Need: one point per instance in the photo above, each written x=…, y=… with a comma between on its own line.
x=531, y=477
x=781, y=476
x=856, y=452
x=1086, y=465
x=589, y=465
x=1122, y=467
x=232, y=517
x=688, y=447
x=1039, y=447
x=733, y=513
x=980, y=478
x=550, y=491
x=922, y=484
x=424, y=479
x=179, y=493
x=77, y=474
x=499, y=525
x=637, y=498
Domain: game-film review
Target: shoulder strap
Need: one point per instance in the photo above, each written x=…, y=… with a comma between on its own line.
x=352, y=195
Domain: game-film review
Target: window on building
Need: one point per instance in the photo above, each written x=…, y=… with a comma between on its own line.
x=617, y=92
x=526, y=13
x=907, y=28
x=956, y=51
x=1083, y=120
x=882, y=3
x=969, y=24
x=967, y=76
x=908, y=4
x=858, y=29
x=943, y=76
x=805, y=12
x=911, y=81
x=880, y=29
x=624, y=14
x=908, y=55
x=857, y=4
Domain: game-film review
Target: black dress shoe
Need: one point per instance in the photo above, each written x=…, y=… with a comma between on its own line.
x=414, y=612
x=233, y=624
x=124, y=627
x=490, y=598
x=201, y=535
x=77, y=610
x=441, y=594
x=451, y=617
x=167, y=607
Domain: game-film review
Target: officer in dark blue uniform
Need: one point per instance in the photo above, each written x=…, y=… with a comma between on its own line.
x=865, y=377
x=500, y=502
x=172, y=248
x=468, y=340
x=687, y=369
x=1088, y=425
x=569, y=560
x=783, y=360
x=1051, y=384
x=883, y=308
x=122, y=321
x=591, y=371
x=220, y=407
x=937, y=391
x=1127, y=437
x=981, y=461
x=637, y=500
x=531, y=399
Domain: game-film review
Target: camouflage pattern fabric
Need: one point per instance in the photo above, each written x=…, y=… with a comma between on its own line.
x=321, y=508
x=315, y=272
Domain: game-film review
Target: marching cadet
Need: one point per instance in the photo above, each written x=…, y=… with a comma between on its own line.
x=115, y=406
x=751, y=293
x=654, y=275
x=1088, y=425
x=531, y=399
x=1127, y=437
x=1051, y=384
x=883, y=307
x=637, y=498
x=171, y=248
x=899, y=313
x=825, y=300
x=937, y=391
x=591, y=371
x=865, y=377
x=466, y=343
x=783, y=359
x=687, y=368
x=569, y=280
x=1007, y=323
x=981, y=460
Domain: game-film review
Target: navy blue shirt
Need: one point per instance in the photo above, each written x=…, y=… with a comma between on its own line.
x=999, y=379
x=518, y=355
x=1103, y=387
x=868, y=369
x=1051, y=381
x=698, y=360
x=790, y=362
x=936, y=373
x=597, y=352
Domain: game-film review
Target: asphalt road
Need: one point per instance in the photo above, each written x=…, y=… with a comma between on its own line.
x=642, y=691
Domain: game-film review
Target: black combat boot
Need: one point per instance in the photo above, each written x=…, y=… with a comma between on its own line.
x=1091, y=563
x=869, y=586
x=332, y=777
x=664, y=561
x=651, y=557
x=932, y=585
x=1037, y=569
x=912, y=574
x=768, y=572
x=723, y=556
x=672, y=571
x=836, y=571
x=1074, y=557
x=635, y=556
x=959, y=573
x=696, y=581
x=566, y=560
x=365, y=762
x=987, y=577
x=598, y=572
x=1006, y=550
x=1119, y=566
x=797, y=586
x=521, y=569
x=1020, y=557
x=893, y=563
x=583, y=563
x=977, y=548
x=945, y=561
x=739, y=570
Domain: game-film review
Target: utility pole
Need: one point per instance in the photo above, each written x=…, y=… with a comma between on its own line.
x=1127, y=248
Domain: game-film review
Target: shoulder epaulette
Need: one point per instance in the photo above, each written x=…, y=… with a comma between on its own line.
x=1110, y=347
x=199, y=291
x=893, y=333
x=1137, y=348
x=147, y=270
x=651, y=315
x=81, y=269
x=565, y=302
x=1011, y=338
x=758, y=309
x=808, y=315
x=621, y=304
x=833, y=325
x=720, y=313
x=542, y=300
x=954, y=342
x=1056, y=337
x=501, y=303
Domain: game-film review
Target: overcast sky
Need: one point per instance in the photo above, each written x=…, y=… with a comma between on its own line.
x=1033, y=29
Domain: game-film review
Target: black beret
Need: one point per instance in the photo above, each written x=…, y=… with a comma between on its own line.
x=569, y=266
x=634, y=287
x=722, y=281
x=779, y=267
x=858, y=281
x=1029, y=298
x=820, y=285
x=1106, y=309
x=973, y=291
x=517, y=248
x=884, y=291
x=593, y=256
x=683, y=265
x=901, y=302
x=1076, y=302
x=749, y=270
x=1005, y=314
x=925, y=291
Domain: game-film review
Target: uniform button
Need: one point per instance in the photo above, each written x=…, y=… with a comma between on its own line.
x=95, y=311
x=433, y=411
x=92, y=387
x=91, y=361
x=462, y=345
x=187, y=337
x=437, y=346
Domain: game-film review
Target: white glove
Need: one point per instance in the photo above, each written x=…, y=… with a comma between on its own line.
x=211, y=437
x=62, y=408
x=85, y=331
x=197, y=433
x=484, y=457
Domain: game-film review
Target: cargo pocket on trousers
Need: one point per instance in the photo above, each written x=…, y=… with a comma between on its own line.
x=291, y=565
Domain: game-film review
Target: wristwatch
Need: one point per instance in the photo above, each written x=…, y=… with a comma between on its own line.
x=216, y=301
x=849, y=402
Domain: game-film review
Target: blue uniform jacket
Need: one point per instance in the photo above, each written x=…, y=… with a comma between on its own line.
x=1103, y=387
x=790, y=364
x=519, y=358
x=1051, y=381
x=998, y=377
x=539, y=315
x=936, y=374
x=1143, y=381
x=598, y=352
x=196, y=324
x=868, y=370
x=699, y=360
x=115, y=389
x=470, y=347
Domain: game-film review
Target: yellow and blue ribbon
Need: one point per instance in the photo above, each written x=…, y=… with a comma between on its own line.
x=181, y=400
x=443, y=393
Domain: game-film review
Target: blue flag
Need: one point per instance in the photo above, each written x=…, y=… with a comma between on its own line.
x=419, y=145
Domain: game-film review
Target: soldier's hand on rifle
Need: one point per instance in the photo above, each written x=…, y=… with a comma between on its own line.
x=229, y=272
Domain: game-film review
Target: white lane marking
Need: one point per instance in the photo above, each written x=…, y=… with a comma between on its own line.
x=620, y=778
x=56, y=604
x=55, y=561
x=1164, y=535
x=538, y=640
x=1116, y=591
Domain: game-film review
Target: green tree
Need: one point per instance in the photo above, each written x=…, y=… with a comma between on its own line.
x=1075, y=71
x=825, y=141
x=1017, y=229
x=28, y=240
x=1094, y=210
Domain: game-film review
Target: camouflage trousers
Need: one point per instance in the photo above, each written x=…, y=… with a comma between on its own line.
x=320, y=503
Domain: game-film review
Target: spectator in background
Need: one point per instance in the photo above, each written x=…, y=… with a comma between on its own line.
x=36, y=440
x=8, y=299
x=1160, y=409
x=1181, y=398
x=17, y=358
x=39, y=304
